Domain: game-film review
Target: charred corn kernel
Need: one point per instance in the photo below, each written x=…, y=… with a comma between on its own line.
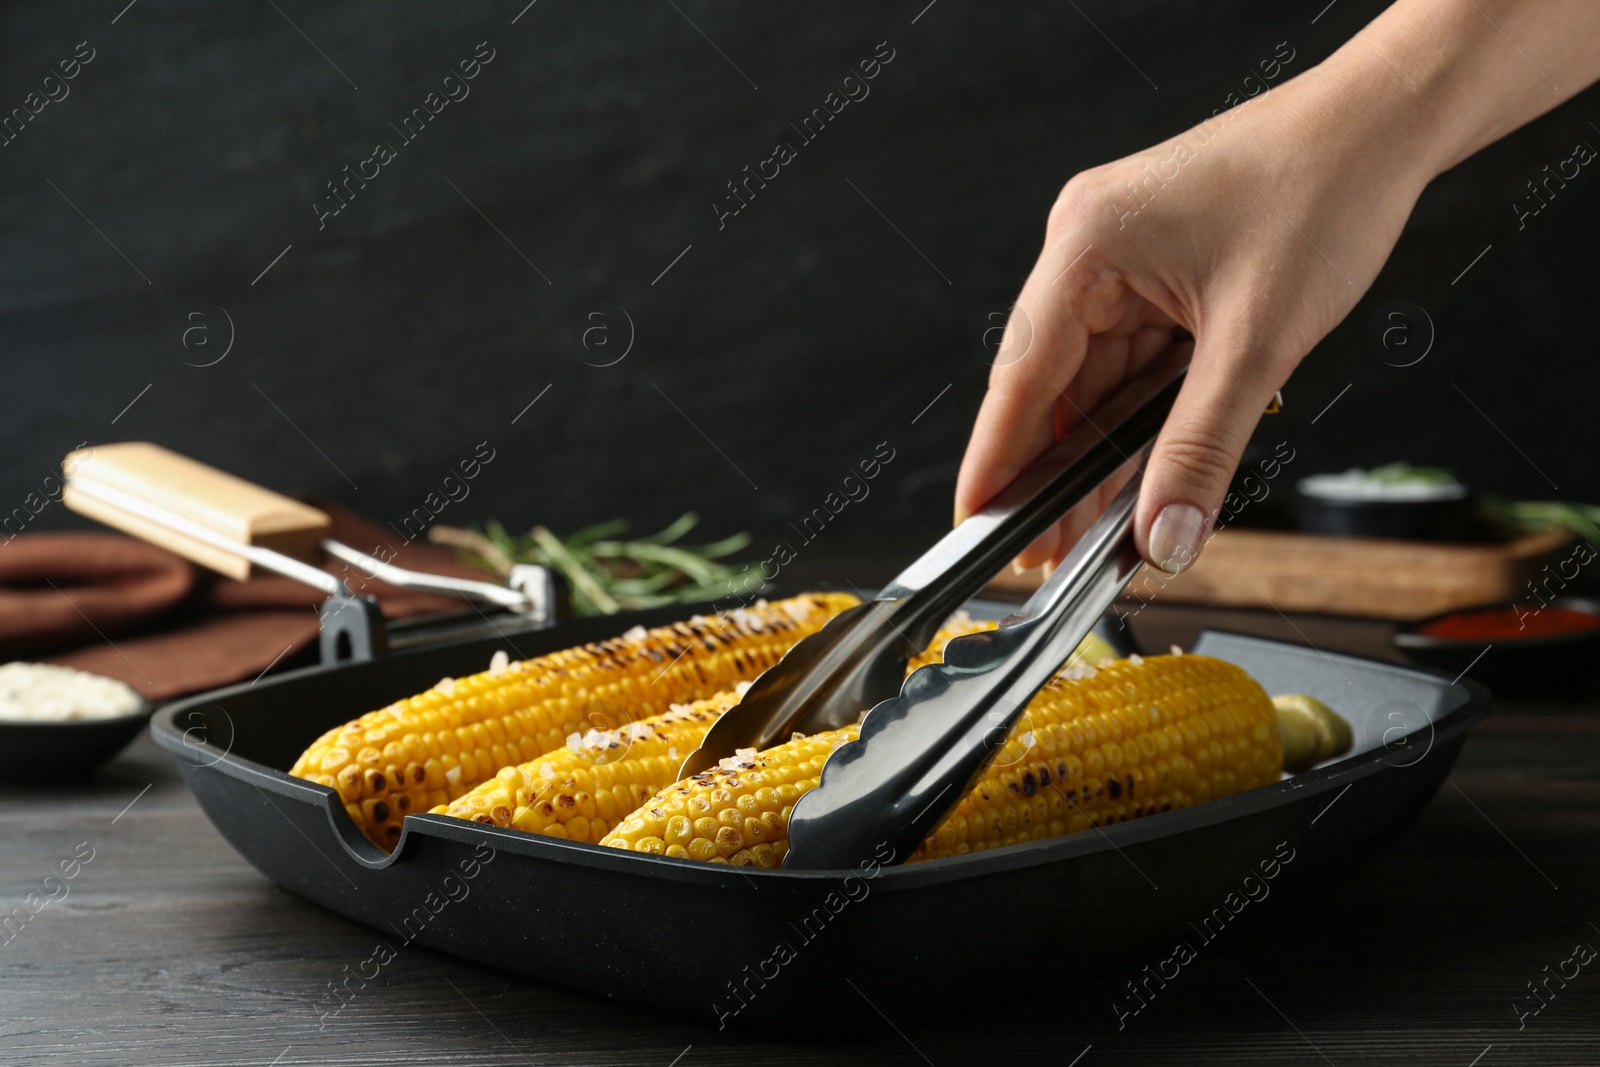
x=771, y=781
x=1310, y=730
x=602, y=775
x=1117, y=720
x=1076, y=759
x=597, y=772
x=463, y=730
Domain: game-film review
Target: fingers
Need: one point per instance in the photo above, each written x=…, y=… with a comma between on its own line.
x=1052, y=546
x=1079, y=519
x=1108, y=361
x=1149, y=342
x=1017, y=420
x=1014, y=424
x=1076, y=333
x=1045, y=547
x=1198, y=450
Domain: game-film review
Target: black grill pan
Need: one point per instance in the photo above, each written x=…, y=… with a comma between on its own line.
x=745, y=946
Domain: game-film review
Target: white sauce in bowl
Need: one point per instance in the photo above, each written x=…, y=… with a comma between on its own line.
x=39, y=692
x=1356, y=485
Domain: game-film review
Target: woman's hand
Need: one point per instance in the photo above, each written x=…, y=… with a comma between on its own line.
x=1256, y=232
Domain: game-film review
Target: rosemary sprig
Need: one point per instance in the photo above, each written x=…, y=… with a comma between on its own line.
x=1532, y=515
x=608, y=573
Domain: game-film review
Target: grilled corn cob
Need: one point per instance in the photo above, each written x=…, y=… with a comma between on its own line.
x=1096, y=746
x=581, y=791
x=432, y=748
x=1103, y=746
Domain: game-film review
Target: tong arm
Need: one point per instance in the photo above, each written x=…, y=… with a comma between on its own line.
x=919, y=752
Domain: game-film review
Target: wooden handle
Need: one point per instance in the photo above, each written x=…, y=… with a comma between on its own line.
x=160, y=478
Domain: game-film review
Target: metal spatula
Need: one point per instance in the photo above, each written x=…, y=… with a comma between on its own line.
x=920, y=751
x=859, y=658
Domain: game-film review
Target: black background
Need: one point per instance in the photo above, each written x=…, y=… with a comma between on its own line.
x=797, y=338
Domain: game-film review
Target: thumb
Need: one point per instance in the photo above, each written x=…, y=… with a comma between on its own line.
x=1198, y=450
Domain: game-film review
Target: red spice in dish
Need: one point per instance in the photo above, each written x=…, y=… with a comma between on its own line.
x=1504, y=624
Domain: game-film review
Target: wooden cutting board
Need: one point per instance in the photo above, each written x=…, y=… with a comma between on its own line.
x=1296, y=572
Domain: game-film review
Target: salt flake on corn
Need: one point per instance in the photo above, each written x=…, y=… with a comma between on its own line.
x=440, y=744
x=582, y=797
x=1098, y=747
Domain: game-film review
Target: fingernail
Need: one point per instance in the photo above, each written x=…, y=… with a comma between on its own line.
x=1175, y=537
x=1017, y=569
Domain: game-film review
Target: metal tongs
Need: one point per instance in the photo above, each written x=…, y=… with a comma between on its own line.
x=920, y=751
x=858, y=660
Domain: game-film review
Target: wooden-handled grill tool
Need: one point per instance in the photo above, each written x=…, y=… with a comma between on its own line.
x=237, y=529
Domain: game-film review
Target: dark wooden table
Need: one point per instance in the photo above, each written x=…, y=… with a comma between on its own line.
x=167, y=948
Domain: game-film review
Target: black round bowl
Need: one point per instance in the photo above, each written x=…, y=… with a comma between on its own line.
x=1451, y=519
x=35, y=751
x=1518, y=666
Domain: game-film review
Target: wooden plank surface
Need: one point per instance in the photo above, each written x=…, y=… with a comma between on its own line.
x=1369, y=577
x=169, y=949
x=1280, y=570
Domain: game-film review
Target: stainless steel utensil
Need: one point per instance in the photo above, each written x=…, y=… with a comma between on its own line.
x=920, y=751
x=233, y=527
x=859, y=658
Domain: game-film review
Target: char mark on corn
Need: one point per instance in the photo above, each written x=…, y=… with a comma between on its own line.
x=583, y=789
x=435, y=747
x=1096, y=746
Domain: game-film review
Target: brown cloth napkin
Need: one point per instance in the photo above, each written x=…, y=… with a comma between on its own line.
x=110, y=604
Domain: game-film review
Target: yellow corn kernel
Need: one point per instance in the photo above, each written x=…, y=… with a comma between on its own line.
x=758, y=777
x=607, y=773
x=592, y=773
x=463, y=730
x=1076, y=759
